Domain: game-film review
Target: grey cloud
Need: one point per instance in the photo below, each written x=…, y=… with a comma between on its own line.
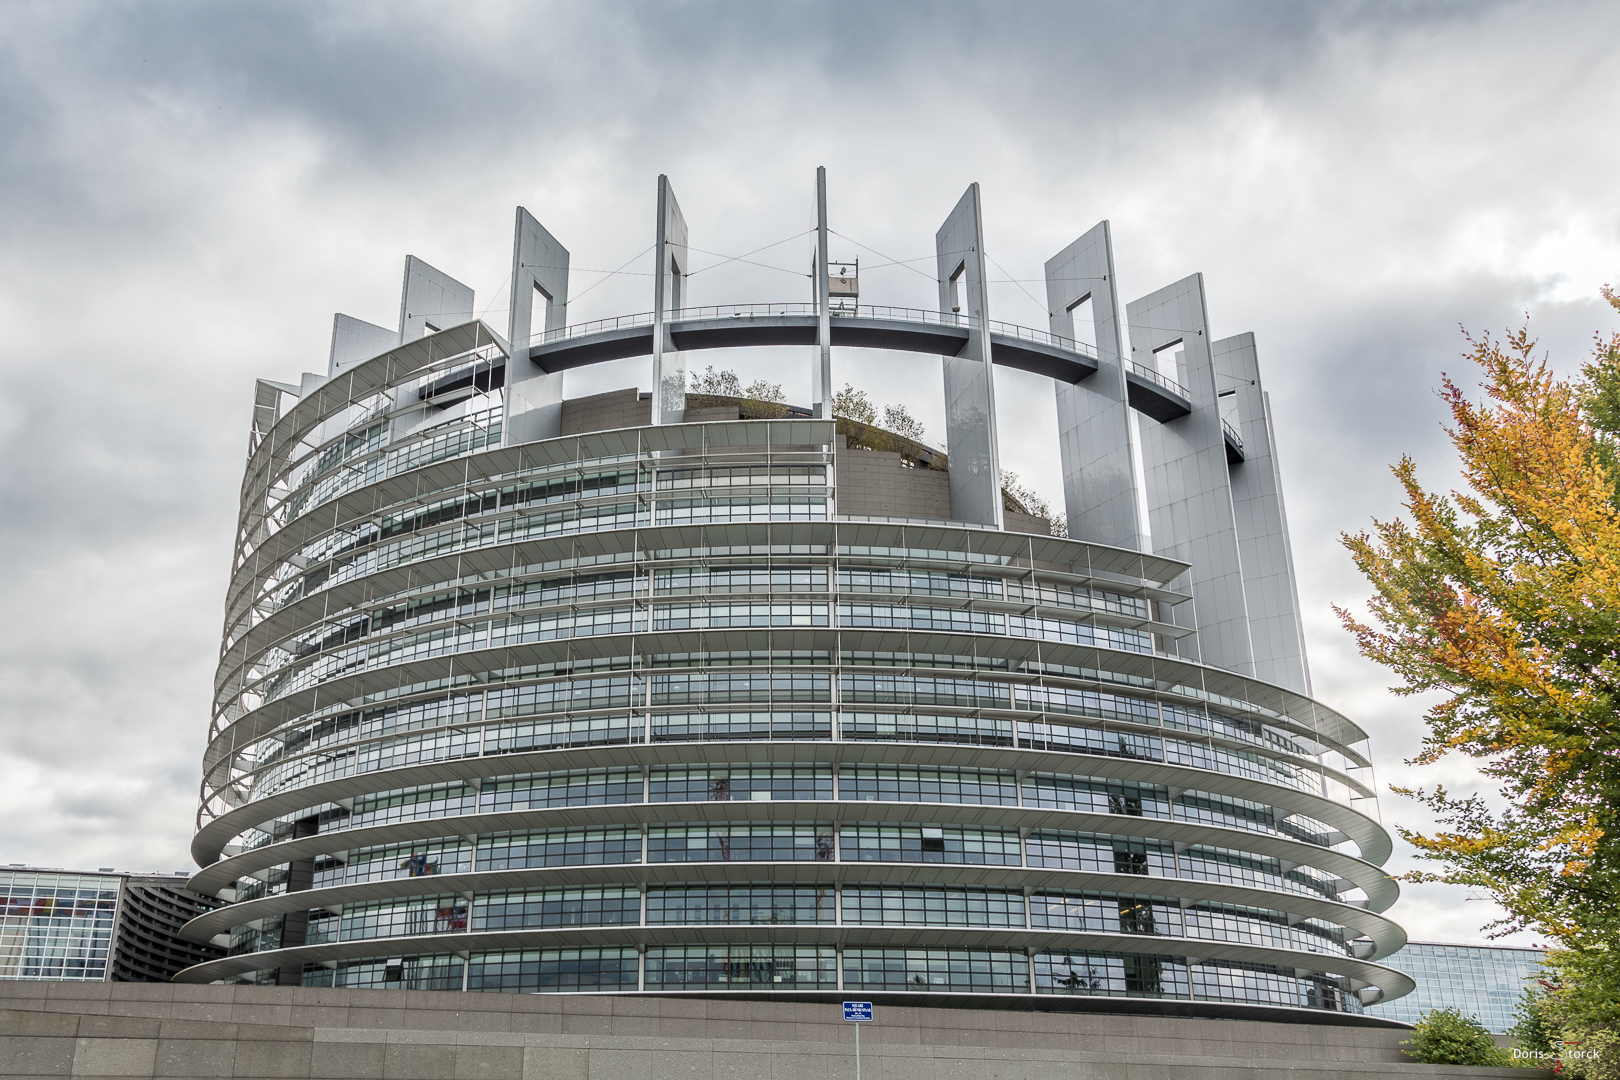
x=192, y=189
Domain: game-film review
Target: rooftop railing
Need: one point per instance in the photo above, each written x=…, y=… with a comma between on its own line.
x=848, y=311
x=595, y=326
x=1041, y=337
x=1153, y=376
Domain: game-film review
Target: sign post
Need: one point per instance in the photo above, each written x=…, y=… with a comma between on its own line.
x=857, y=1013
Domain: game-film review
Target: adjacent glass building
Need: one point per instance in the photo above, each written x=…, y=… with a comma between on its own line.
x=637, y=693
x=1484, y=981
x=104, y=927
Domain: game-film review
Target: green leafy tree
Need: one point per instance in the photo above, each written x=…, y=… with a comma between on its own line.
x=1534, y=1028
x=1504, y=601
x=1016, y=495
x=1580, y=990
x=852, y=404
x=1448, y=1037
x=714, y=383
x=898, y=419
x=764, y=400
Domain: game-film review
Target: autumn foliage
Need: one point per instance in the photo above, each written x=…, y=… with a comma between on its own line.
x=1505, y=598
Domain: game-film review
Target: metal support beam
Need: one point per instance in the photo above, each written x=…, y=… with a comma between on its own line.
x=534, y=396
x=821, y=391
x=1270, y=588
x=1098, y=441
x=430, y=300
x=669, y=295
x=1188, y=488
x=970, y=392
x=354, y=340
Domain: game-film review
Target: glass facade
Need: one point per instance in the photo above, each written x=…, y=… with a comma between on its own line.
x=105, y=927
x=56, y=925
x=1484, y=981
x=639, y=711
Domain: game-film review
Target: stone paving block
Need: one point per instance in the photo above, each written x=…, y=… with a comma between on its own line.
x=262, y=995
x=586, y=1005
x=119, y=1027
x=36, y=1055
x=418, y=1061
x=16, y=1023
x=197, y=1029
x=489, y=1063
x=902, y=1066
x=269, y=1059
x=315, y=1016
x=587, y=1025
x=444, y=1020
x=195, y=1057
x=76, y=990
x=802, y=1066
x=218, y=1012
x=556, y=1063
x=637, y=1026
x=613, y=1064
x=537, y=1023
x=484, y=1022
x=346, y=1060
x=370, y=1019
x=274, y=1033
x=114, y=1056
x=267, y=1012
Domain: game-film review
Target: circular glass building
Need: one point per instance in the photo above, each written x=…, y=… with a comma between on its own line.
x=668, y=693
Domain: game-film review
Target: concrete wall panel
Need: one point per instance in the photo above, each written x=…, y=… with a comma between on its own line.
x=533, y=396
x=380, y=1033
x=970, y=391
x=1271, y=591
x=1189, y=491
x=669, y=285
x=354, y=340
x=874, y=483
x=431, y=300
x=1097, y=432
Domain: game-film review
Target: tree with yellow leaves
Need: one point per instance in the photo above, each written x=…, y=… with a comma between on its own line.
x=1505, y=599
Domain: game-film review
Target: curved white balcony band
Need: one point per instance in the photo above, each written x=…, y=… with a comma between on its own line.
x=345, y=597
x=437, y=481
x=1388, y=937
x=1366, y=973
x=298, y=671
x=1164, y=675
x=442, y=479
x=1369, y=837
x=1380, y=888
x=255, y=771
x=248, y=673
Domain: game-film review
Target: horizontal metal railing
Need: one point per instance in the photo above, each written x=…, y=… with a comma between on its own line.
x=595, y=326
x=921, y=316
x=1041, y=337
x=1152, y=375
x=1232, y=432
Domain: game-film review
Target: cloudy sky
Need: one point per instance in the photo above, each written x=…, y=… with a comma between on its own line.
x=188, y=191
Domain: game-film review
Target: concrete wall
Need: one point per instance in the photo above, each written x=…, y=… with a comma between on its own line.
x=876, y=483
x=164, y=1030
x=604, y=412
x=1020, y=522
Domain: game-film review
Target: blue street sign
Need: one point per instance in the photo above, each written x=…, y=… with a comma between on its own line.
x=858, y=1011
